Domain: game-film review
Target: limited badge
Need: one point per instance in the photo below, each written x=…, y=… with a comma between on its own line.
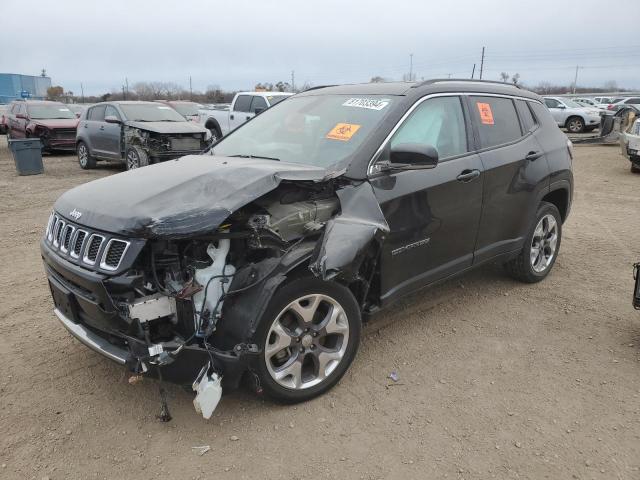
x=343, y=131
x=486, y=115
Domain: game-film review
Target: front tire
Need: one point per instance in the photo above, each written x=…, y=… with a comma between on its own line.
x=85, y=159
x=575, y=125
x=136, y=158
x=541, y=247
x=309, y=335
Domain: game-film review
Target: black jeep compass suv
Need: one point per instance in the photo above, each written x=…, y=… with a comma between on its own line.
x=262, y=257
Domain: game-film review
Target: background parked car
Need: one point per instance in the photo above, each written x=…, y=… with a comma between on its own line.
x=189, y=110
x=3, y=113
x=571, y=115
x=623, y=102
x=53, y=122
x=77, y=108
x=590, y=103
x=244, y=107
x=138, y=133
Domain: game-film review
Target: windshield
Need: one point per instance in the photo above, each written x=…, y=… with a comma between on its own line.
x=42, y=112
x=276, y=99
x=186, y=109
x=316, y=130
x=145, y=112
x=571, y=104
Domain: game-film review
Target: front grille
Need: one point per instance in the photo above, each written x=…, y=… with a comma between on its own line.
x=91, y=254
x=64, y=133
x=77, y=244
x=83, y=247
x=185, y=143
x=113, y=254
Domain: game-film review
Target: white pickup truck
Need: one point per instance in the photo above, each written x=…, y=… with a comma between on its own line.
x=244, y=107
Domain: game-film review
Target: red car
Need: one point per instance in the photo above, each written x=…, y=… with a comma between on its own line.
x=53, y=122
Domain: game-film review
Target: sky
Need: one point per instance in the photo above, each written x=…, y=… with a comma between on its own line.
x=237, y=44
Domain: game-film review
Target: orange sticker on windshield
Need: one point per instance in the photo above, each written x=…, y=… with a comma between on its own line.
x=486, y=115
x=343, y=131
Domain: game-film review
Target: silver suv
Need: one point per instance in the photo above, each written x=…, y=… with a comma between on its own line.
x=571, y=115
x=138, y=133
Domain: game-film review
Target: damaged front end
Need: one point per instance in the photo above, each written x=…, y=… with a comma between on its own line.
x=161, y=146
x=181, y=302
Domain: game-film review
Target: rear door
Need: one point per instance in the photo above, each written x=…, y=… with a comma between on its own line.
x=433, y=215
x=516, y=172
x=241, y=111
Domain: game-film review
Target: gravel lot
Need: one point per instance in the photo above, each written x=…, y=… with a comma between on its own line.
x=497, y=379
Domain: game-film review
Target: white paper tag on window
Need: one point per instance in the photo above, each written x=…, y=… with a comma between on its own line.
x=164, y=108
x=64, y=109
x=370, y=103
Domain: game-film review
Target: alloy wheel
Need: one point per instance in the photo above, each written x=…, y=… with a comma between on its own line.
x=306, y=342
x=133, y=159
x=575, y=125
x=543, y=243
x=83, y=155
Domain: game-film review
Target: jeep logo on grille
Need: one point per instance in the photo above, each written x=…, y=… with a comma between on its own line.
x=75, y=214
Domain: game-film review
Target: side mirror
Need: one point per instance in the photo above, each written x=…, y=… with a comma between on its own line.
x=111, y=119
x=414, y=155
x=22, y=116
x=561, y=107
x=259, y=110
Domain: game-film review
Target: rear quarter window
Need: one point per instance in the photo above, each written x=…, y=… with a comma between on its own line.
x=496, y=120
x=542, y=115
x=527, y=119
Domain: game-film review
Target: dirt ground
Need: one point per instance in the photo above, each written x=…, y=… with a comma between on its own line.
x=497, y=379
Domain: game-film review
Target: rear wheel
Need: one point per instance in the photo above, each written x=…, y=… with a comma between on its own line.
x=85, y=159
x=541, y=246
x=136, y=158
x=309, y=335
x=575, y=125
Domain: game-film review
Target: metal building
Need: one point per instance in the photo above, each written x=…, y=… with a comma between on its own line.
x=14, y=85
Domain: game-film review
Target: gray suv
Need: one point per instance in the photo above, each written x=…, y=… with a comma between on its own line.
x=137, y=133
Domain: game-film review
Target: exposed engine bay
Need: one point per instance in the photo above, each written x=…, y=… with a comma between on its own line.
x=184, y=283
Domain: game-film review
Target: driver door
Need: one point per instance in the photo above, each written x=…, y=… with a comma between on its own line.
x=110, y=134
x=557, y=110
x=433, y=214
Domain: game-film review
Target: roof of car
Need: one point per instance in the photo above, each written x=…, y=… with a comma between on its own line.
x=426, y=87
x=38, y=102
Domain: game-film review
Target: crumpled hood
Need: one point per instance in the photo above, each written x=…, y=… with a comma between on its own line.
x=168, y=127
x=180, y=198
x=53, y=123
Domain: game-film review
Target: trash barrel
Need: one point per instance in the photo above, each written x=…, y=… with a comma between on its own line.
x=27, y=154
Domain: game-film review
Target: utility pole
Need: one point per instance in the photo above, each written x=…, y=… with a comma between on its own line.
x=124, y=95
x=82, y=91
x=126, y=81
x=473, y=71
x=293, y=81
x=575, y=80
x=190, y=89
x=482, y=63
x=411, y=67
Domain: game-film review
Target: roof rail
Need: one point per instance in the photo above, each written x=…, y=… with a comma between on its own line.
x=473, y=80
x=318, y=87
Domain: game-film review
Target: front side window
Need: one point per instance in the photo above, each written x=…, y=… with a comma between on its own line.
x=96, y=113
x=496, y=120
x=551, y=103
x=438, y=122
x=111, y=112
x=242, y=104
x=186, y=109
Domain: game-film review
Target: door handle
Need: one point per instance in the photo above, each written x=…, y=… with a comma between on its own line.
x=86, y=125
x=248, y=117
x=231, y=117
x=468, y=175
x=533, y=156
x=102, y=127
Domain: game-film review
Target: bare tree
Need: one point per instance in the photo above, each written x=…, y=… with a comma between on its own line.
x=504, y=76
x=610, y=86
x=515, y=79
x=377, y=79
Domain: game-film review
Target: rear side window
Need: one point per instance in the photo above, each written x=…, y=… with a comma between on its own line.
x=541, y=113
x=242, y=103
x=526, y=117
x=96, y=113
x=633, y=101
x=496, y=120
